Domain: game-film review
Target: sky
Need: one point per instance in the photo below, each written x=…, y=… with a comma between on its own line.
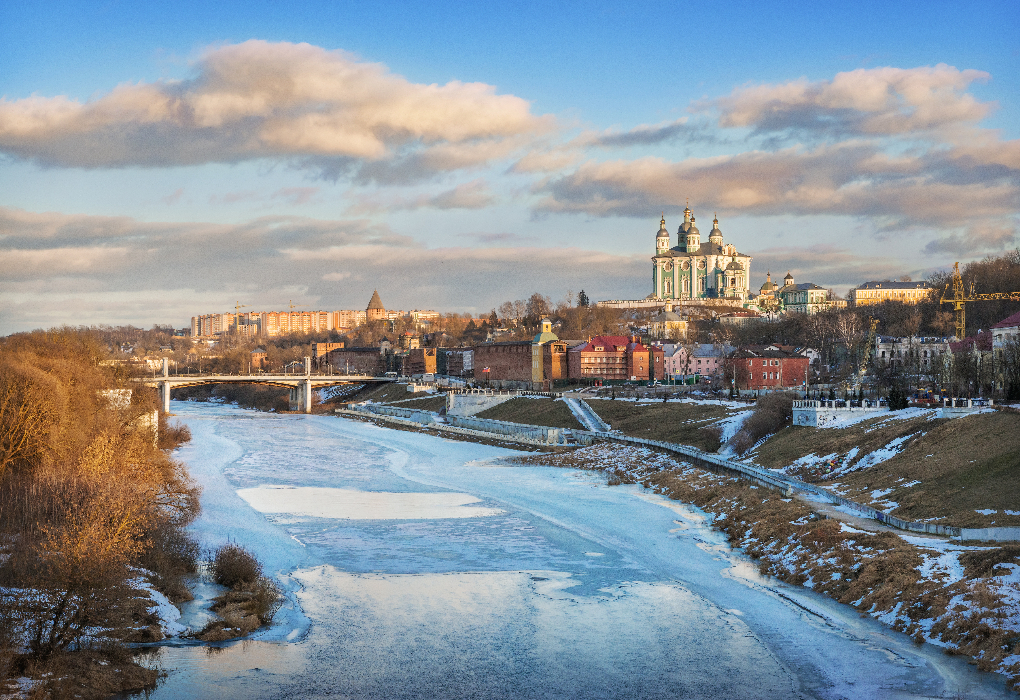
x=161, y=160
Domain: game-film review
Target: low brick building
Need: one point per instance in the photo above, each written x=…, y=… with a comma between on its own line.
x=615, y=357
x=371, y=361
x=534, y=364
x=766, y=367
x=420, y=361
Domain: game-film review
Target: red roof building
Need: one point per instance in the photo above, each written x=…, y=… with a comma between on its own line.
x=615, y=357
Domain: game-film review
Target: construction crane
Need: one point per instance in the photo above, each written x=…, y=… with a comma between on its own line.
x=960, y=298
x=237, y=315
x=295, y=306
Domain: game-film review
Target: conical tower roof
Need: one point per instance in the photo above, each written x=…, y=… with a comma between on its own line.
x=375, y=303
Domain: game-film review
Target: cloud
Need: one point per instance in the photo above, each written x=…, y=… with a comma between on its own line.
x=272, y=100
x=853, y=178
x=824, y=264
x=468, y=195
x=296, y=195
x=981, y=238
x=651, y=135
x=500, y=238
x=79, y=269
x=870, y=102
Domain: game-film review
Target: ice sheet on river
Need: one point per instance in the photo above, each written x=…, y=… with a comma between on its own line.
x=513, y=605
x=349, y=504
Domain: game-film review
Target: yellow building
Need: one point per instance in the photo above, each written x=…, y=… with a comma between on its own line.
x=877, y=292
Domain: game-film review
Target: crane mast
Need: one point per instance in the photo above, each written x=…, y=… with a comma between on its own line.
x=960, y=298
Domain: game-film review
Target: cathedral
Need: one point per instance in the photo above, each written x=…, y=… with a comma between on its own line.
x=693, y=271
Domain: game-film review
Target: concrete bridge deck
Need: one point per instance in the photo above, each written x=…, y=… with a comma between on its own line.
x=303, y=384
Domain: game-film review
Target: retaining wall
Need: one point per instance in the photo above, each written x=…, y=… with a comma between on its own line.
x=822, y=414
x=470, y=404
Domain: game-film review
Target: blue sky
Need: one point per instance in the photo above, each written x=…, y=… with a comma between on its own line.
x=160, y=160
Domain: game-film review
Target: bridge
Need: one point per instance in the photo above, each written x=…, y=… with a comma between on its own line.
x=301, y=385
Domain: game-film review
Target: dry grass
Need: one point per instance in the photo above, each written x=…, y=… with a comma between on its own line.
x=962, y=465
x=383, y=393
x=679, y=421
x=548, y=412
x=426, y=403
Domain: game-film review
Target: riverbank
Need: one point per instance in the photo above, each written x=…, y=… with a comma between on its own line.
x=963, y=598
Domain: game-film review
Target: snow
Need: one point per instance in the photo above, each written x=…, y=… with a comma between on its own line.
x=169, y=615
x=985, y=511
x=431, y=602
x=349, y=504
x=877, y=457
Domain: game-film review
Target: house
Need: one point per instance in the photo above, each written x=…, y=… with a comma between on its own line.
x=420, y=361
x=1004, y=330
x=805, y=298
x=876, y=292
x=667, y=324
x=526, y=364
x=766, y=368
x=705, y=360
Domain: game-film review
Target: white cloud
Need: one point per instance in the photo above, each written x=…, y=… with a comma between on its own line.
x=867, y=101
x=273, y=100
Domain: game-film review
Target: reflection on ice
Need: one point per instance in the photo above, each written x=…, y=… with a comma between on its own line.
x=349, y=504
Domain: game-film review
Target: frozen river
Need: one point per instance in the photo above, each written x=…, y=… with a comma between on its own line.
x=416, y=567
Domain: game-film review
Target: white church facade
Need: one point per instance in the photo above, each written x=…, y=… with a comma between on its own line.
x=694, y=271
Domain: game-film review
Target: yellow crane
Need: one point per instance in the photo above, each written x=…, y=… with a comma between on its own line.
x=961, y=297
x=237, y=316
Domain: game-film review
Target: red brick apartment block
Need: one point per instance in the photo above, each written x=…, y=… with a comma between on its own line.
x=766, y=367
x=615, y=357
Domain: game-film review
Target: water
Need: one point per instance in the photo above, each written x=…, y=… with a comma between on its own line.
x=417, y=568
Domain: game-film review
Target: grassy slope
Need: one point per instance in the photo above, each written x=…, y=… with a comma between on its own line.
x=427, y=403
x=678, y=421
x=384, y=392
x=962, y=465
x=533, y=412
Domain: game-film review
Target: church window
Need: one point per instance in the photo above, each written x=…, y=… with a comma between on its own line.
x=701, y=284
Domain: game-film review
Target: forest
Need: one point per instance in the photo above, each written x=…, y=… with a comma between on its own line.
x=92, y=506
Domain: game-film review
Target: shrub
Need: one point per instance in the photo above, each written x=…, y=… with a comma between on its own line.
x=234, y=566
x=771, y=413
x=266, y=599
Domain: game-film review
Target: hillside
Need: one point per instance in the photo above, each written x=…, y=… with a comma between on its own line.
x=550, y=412
x=963, y=472
x=698, y=424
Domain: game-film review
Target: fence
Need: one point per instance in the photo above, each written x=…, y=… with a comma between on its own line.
x=518, y=432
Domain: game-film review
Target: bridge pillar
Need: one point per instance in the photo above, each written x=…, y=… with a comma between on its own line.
x=307, y=394
x=166, y=367
x=164, y=394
